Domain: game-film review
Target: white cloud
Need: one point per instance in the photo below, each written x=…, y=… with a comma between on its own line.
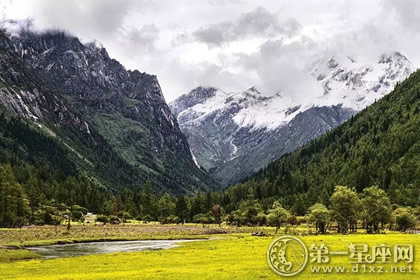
x=231, y=44
x=406, y=12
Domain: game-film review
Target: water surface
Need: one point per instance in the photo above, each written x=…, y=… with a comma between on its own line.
x=90, y=248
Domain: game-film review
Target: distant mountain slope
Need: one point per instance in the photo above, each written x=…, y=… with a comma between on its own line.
x=116, y=121
x=233, y=135
x=379, y=146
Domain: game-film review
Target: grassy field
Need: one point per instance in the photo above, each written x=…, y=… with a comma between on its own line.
x=7, y=255
x=45, y=235
x=233, y=255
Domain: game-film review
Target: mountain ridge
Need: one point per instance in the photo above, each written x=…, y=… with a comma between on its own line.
x=122, y=110
x=218, y=124
x=377, y=146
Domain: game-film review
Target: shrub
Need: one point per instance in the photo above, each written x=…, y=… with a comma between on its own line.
x=404, y=219
x=261, y=219
x=301, y=220
x=147, y=218
x=172, y=219
x=102, y=218
x=114, y=220
x=204, y=218
x=124, y=216
x=80, y=208
x=76, y=215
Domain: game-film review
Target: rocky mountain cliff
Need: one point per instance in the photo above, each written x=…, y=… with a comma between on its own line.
x=233, y=135
x=115, y=120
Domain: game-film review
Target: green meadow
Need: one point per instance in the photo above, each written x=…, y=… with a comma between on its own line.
x=233, y=254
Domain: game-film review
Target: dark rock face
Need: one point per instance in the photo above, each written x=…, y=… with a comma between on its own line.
x=58, y=80
x=25, y=93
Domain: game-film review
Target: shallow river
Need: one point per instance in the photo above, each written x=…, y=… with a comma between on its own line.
x=83, y=249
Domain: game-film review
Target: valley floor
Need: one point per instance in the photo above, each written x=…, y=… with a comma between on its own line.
x=232, y=255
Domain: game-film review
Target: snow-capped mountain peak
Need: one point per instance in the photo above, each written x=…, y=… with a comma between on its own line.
x=345, y=81
x=253, y=89
x=247, y=108
x=355, y=84
x=233, y=134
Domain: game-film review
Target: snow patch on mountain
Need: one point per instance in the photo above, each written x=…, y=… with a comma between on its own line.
x=248, y=109
x=356, y=85
x=345, y=81
x=233, y=134
x=195, y=159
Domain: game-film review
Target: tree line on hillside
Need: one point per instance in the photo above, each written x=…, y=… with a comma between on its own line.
x=379, y=146
x=27, y=203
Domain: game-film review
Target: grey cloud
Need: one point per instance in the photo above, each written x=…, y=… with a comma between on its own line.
x=17, y=26
x=150, y=35
x=214, y=34
x=95, y=18
x=180, y=39
x=107, y=21
x=141, y=40
x=258, y=22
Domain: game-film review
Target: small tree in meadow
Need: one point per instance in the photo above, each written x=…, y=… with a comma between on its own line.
x=277, y=215
x=346, y=208
x=377, y=208
x=404, y=218
x=217, y=212
x=320, y=216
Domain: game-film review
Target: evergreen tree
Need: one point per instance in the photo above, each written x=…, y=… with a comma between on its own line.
x=218, y=213
x=14, y=207
x=209, y=202
x=166, y=208
x=181, y=209
x=149, y=202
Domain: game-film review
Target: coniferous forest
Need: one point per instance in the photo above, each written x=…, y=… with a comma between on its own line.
x=377, y=147
x=214, y=139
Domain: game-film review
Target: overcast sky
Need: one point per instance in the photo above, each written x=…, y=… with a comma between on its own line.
x=231, y=44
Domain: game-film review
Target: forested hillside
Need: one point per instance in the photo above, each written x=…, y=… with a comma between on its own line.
x=235, y=134
x=53, y=164
x=38, y=176
x=379, y=146
x=370, y=161
x=72, y=139
x=115, y=122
